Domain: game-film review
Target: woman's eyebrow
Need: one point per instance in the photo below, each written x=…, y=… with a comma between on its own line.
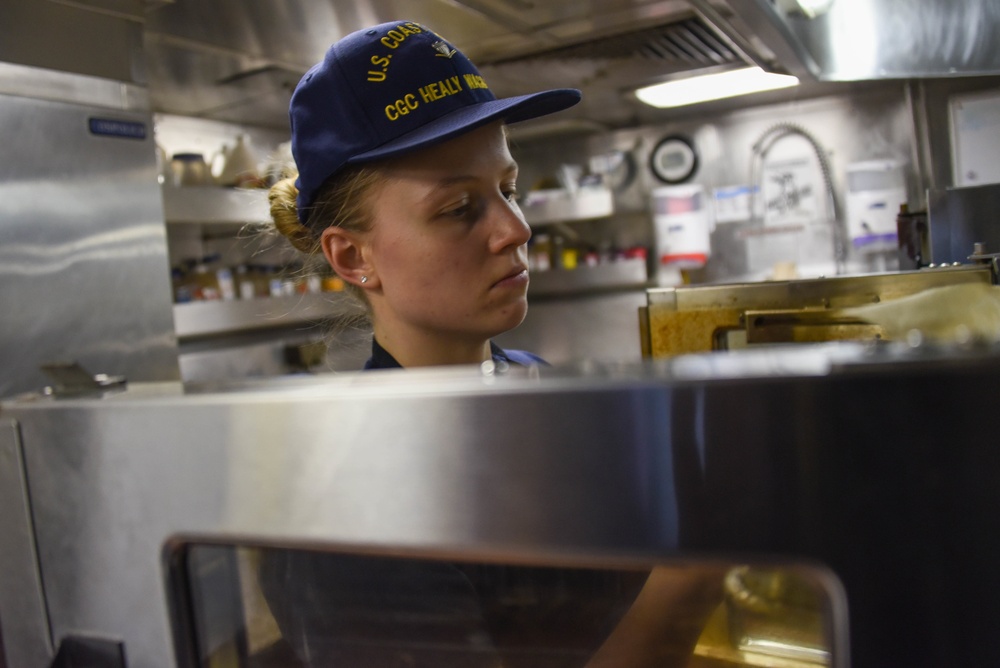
x=510, y=168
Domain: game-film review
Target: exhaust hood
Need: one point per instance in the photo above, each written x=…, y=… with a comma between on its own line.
x=237, y=61
x=855, y=40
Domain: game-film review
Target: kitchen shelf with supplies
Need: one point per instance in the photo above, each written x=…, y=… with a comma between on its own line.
x=620, y=275
x=233, y=276
x=560, y=205
x=561, y=263
x=200, y=319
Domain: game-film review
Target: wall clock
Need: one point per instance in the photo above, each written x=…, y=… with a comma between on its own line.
x=674, y=159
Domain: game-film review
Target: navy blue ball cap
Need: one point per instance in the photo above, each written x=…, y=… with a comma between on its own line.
x=390, y=89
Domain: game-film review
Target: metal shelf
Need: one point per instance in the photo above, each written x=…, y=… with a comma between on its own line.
x=620, y=275
x=215, y=205
x=545, y=207
x=219, y=317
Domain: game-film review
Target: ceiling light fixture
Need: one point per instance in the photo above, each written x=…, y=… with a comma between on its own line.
x=808, y=8
x=681, y=92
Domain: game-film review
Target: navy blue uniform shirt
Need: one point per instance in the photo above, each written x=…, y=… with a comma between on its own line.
x=381, y=359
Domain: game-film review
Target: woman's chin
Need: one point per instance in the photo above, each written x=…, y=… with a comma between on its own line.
x=514, y=315
x=505, y=319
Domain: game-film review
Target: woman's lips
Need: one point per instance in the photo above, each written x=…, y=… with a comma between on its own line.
x=516, y=278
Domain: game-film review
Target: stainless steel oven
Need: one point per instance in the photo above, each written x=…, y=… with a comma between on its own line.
x=832, y=504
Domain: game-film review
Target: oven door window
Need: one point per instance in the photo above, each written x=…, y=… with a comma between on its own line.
x=268, y=607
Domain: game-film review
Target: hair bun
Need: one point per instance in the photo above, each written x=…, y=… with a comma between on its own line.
x=284, y=213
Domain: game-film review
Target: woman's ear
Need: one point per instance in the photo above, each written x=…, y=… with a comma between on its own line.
x=347, y=256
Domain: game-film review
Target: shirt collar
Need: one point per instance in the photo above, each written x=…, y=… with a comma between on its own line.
x=383, y=359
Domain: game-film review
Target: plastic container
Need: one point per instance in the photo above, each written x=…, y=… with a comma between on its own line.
x=190, y=169
x=682, y=226
x=875, y=191
x=570, y=257
x=206, y=283
x=227, y=286
x=240, y=166
x=540, y=258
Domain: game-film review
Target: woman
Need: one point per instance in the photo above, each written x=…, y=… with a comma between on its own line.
x=407, y=187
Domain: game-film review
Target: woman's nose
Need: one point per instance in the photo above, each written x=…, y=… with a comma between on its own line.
x=510, y=228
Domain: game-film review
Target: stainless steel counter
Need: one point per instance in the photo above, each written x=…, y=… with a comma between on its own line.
x=874, y=463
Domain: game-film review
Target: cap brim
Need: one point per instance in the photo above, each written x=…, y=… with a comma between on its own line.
x=509, y=109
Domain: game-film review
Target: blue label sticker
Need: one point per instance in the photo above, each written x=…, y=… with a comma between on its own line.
x=110, y=127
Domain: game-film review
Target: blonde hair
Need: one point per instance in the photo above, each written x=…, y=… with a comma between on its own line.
x=344, y=201
x=285, y=215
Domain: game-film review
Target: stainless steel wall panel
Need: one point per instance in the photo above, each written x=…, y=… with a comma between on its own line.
x=42, y=84
x=72, y=37
x=83, y=260
x=25, y=629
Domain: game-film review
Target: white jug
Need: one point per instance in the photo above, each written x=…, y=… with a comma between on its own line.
x=240, y=168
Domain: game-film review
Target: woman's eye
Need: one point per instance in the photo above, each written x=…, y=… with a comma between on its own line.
x=511, y=194
x=459, y=209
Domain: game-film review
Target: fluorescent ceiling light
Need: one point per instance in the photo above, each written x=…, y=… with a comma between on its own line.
x=680, y=92
x=808, y=8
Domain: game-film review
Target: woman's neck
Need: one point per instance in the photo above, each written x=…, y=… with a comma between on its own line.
x=416, y=349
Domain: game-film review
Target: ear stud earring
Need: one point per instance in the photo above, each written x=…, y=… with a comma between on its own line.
x=364, y=279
